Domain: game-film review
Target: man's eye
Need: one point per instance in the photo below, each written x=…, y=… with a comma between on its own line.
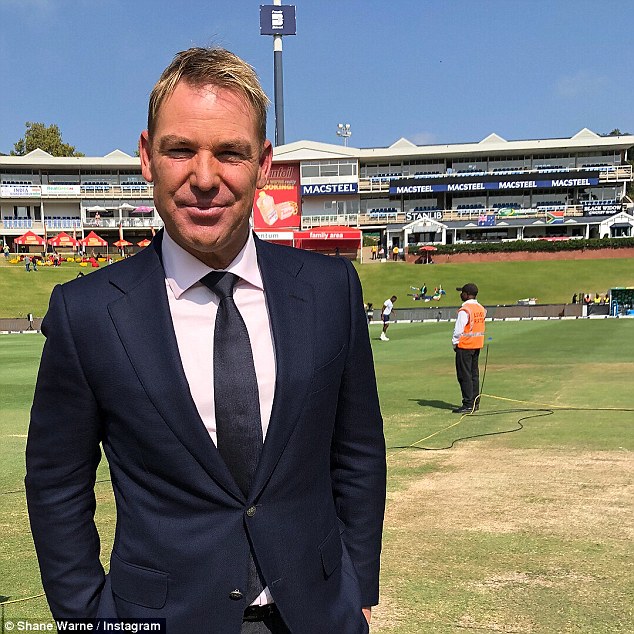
x=179, y=152
x=231, y=155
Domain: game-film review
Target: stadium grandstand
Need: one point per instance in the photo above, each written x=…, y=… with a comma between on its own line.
x=406, y=194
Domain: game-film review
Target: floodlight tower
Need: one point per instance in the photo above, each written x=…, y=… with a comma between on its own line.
x=278, y=20
x=344, y=131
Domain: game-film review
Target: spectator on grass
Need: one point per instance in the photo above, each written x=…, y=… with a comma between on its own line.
x=27, y=264
x=386, y=311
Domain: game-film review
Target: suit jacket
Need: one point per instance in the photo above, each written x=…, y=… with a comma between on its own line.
x=111, y=373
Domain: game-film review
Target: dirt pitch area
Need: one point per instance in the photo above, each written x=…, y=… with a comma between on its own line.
x=522, y=499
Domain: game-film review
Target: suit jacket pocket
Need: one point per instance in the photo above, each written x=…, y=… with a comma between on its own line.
x=328, y=372
x=331, y=551
x=138, y=585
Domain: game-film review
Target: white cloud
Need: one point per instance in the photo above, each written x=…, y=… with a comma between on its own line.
x=423, y=138
x=581, y=83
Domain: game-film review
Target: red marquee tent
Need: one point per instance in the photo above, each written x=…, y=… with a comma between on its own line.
x=93, y=240
x=30, y=239
x=63, y=240
x=144, y=243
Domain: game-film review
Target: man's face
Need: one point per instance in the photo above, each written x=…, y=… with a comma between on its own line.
x=205, y=161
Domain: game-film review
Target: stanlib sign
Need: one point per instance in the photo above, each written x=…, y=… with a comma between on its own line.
x=420, y=215
x=329, y=189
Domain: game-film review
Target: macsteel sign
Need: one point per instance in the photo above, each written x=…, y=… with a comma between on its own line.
x=329, y=189
x=277, y=19
x=397, y=188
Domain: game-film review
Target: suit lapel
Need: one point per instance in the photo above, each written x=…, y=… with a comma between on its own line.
x=143, y=321
x=290, y=306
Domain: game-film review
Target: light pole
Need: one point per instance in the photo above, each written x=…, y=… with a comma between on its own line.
x=344, y=131
x=278, y=20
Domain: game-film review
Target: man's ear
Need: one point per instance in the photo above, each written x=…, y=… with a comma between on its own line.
x=266, y=159
x=145, y=152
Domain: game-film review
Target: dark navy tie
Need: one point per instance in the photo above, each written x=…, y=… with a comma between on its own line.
x=236, y=397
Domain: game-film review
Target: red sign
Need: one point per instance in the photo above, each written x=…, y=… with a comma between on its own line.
x=276, y=206
x=329, y=233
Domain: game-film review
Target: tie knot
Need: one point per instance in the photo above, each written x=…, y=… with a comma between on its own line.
x=221, y=283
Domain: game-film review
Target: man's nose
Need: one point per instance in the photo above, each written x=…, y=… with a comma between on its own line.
x=205, y=174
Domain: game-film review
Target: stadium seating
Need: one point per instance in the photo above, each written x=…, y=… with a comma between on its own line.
x=383, y=212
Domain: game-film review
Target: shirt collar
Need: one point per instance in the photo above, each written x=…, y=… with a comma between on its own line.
x=183, y=270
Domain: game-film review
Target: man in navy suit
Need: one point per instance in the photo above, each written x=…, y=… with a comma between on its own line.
x=128, y=364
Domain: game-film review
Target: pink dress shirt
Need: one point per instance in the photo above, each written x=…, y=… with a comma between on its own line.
x=193, y=307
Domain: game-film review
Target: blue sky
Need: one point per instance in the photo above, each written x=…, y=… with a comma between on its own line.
x=433, y=71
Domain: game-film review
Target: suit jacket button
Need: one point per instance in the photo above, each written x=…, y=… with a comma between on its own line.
x=235, y=595
x=251, y=511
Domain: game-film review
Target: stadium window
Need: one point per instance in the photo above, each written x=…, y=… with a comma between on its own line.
x=310, y=171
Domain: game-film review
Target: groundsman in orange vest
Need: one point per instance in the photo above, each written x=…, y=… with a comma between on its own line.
x=468, y=340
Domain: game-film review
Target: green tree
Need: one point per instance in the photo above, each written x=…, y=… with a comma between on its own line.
x=47, y=138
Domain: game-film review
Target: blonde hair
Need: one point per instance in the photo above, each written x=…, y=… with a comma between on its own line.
x=200, y=67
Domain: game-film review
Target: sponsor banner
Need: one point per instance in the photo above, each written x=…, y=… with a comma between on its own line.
x=396, y=188
x=61, y=190
x=594, y=209
x=329, y=189
x=329, y=233
x=275, y=235
x=20, y=191
x=277, y=205
x=411, y=216
x=277, y=19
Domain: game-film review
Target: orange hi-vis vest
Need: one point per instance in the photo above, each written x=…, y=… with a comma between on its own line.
x=473, y=335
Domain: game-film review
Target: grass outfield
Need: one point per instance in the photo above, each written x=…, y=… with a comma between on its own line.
x=551, y=282
x=517, y=532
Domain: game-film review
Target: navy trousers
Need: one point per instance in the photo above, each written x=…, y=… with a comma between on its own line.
x=468, y=373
